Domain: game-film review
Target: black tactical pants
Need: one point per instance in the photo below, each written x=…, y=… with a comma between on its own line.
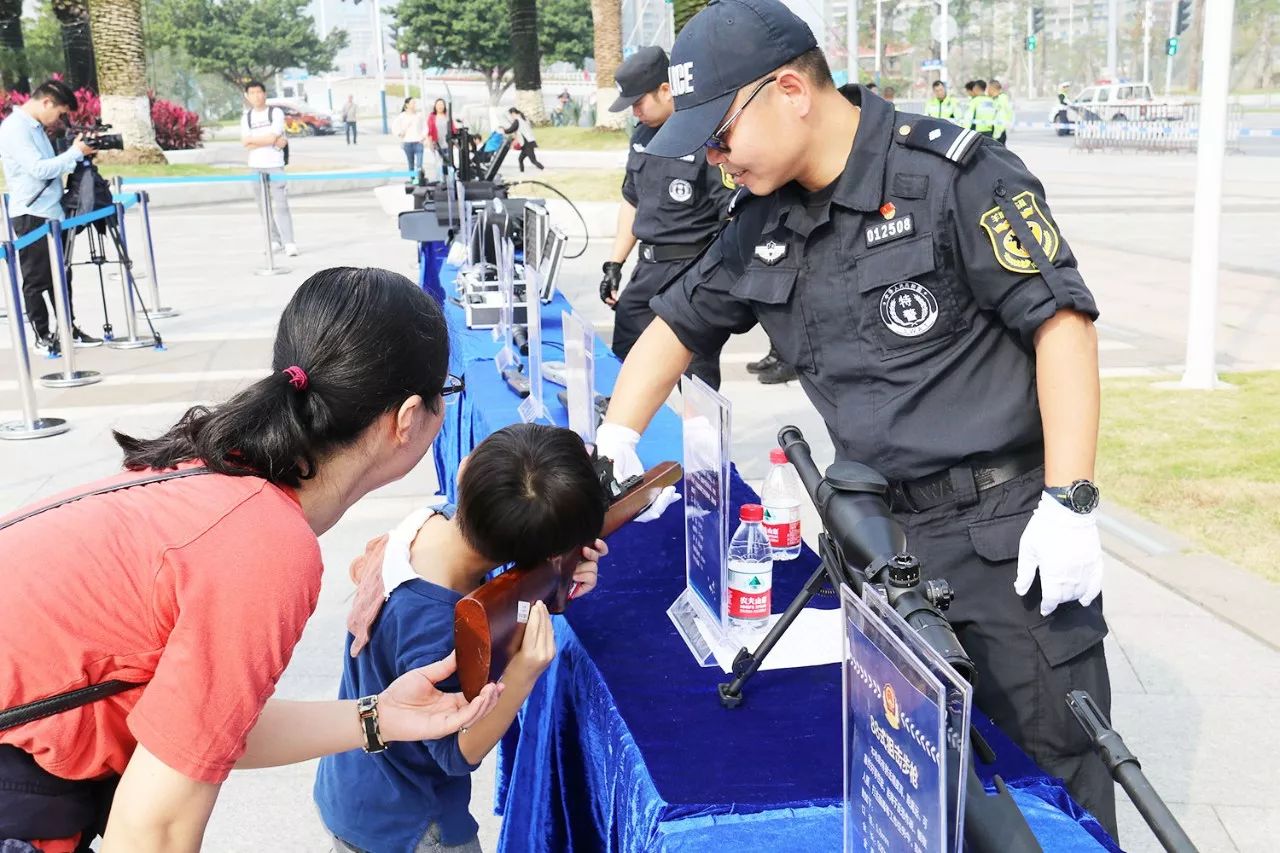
x=633, y=316
x=1026, y=663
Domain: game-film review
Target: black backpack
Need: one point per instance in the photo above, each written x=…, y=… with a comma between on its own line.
x=247, y=113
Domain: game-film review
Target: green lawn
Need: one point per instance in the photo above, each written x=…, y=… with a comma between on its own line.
x=581, y=139
x=577, y=184
x=1205, y=464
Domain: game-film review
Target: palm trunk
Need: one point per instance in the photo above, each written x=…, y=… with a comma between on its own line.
x=77, y=44
x=122, y=73
x=526, y=59
x=607, y=17
x=12, y=42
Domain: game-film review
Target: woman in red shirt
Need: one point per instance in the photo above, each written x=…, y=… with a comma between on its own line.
x=197, y=589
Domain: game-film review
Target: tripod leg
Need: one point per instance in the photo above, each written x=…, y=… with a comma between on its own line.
x=130, y=283
x=747, y=663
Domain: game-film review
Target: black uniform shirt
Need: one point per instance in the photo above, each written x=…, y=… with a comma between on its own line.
x=906, y=302
x=676, y=200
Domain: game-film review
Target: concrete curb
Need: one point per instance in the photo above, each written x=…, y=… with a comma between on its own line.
x=1236, y=595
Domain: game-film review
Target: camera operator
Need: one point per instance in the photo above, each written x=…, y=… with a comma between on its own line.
x=32, y=171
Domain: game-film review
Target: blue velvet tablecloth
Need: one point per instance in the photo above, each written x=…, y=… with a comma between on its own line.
x=624, y=745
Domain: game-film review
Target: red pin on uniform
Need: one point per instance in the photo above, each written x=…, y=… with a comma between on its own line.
x=888, y=211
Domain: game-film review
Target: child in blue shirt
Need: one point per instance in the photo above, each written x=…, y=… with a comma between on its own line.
x=526, y=493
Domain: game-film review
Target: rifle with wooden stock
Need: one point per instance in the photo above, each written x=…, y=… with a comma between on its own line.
x=489, y=624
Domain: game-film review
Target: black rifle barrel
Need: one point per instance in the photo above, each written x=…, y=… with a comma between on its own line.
x=1124, y=767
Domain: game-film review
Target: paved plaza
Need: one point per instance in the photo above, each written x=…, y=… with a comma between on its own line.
x=1195, y=642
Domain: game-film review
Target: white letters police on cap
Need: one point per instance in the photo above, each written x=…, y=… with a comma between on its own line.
x=680, y=76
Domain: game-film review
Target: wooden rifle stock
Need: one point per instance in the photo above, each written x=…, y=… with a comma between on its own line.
x=487, y=628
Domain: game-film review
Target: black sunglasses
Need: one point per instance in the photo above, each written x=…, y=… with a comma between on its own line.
x=452, y=385
x=716, y=141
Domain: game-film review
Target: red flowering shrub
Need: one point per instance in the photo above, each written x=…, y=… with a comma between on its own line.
x=176, y=127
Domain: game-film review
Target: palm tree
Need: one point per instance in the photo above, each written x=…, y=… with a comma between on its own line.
x=77, y=44
x=122, y=76
x=13, y=75
x=607, y=17
x=526, y=59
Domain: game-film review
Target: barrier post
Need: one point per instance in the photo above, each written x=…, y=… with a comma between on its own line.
x=117, y=191
x=127, y=284
x=31, y=425
x=158, y=311
x=264, y=207
x=69, y=377
x=8, y=230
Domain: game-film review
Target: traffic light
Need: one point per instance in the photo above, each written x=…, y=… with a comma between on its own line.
x=1182, y=17
x=1037, y=21
x=1171, y=46
x=1031, y=43
x=404, y=60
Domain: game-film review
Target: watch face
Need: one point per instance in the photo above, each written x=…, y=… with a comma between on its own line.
x=1084, y=496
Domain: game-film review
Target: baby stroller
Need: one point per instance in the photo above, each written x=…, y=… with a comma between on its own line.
x=484, y=153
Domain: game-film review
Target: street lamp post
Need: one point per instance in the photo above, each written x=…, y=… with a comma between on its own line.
x=380, y=58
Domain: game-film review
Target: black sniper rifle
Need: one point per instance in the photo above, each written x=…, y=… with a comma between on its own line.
x=862, y=543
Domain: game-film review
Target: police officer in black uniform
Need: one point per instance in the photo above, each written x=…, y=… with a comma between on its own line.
x=912, y=272
x=673, y=207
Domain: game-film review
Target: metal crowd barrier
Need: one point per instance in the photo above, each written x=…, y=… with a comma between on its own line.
x=31, y=425
x=1158, y=129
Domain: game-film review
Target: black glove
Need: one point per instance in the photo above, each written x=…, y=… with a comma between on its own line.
x=611, y=283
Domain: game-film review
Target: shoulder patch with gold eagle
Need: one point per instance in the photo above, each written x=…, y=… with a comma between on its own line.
x=1008, y=249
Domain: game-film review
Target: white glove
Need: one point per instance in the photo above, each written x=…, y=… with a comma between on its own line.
x=619, y=444
x=1065, y=546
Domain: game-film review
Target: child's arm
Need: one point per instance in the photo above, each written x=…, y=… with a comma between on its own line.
x=535, y=655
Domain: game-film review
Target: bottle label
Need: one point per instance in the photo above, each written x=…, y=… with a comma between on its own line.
x=782, y=524
x=750, y=590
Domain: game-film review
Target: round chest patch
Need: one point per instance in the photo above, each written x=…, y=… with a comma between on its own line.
x=908, y=309
x=680, y=190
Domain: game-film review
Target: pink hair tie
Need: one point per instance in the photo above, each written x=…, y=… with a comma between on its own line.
x=297, y=377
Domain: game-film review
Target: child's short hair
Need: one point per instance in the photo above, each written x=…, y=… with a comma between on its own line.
x=529, y=492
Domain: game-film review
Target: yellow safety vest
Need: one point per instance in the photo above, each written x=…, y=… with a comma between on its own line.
x=982, y=114
x=1004, y=113
x=946, y=108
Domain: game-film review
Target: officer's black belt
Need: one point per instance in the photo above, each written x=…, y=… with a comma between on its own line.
x=655, y=254
x=963, y=483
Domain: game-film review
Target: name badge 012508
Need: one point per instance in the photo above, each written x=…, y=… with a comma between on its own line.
x=883, y=232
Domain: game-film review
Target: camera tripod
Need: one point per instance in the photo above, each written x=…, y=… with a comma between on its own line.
x=87, y=190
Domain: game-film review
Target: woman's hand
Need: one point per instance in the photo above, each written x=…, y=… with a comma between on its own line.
x=584, y=578
x=411, y=708
x=537, y=651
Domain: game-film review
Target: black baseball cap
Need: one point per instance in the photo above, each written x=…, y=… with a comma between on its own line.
x=724, y=47
x=638, y=75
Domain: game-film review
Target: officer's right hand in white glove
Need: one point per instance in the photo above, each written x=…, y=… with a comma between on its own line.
x=619, y=444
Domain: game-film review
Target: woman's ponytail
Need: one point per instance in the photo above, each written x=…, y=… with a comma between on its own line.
x=352, y=344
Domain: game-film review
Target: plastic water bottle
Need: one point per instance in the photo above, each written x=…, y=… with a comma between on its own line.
x=750, y=573
x=781, y=498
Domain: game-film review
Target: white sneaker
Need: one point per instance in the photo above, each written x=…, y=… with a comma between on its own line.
x=291, y=249
x=277, y=247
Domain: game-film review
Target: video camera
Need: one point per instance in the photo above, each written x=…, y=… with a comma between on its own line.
x=95, y=136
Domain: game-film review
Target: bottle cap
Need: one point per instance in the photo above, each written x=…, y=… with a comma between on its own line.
x=751, y=512
x=778, y=456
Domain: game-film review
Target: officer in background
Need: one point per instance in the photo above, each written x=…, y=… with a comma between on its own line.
x=912, y=272
x=672, y=207
x=942, y=105
x=981, y=113
x=1061, y=117
x=1004, y=111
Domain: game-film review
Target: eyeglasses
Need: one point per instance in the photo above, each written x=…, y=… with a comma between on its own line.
x=716, y=141
x=453, y=385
